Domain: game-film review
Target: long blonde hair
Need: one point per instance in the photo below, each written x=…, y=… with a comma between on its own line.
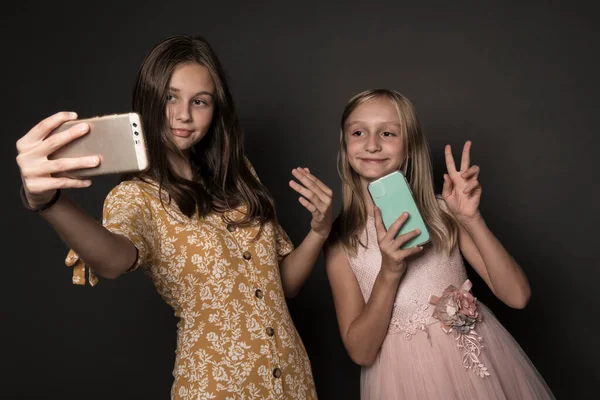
x=416, y=167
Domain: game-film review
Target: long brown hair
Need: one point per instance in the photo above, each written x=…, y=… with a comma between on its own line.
x=222, y=178
x=416, y=167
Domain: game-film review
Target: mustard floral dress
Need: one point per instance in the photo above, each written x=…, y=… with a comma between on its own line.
x=235, y=337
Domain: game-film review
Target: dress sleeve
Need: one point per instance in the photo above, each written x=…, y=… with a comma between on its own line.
x=283, y=243
x=126, y=213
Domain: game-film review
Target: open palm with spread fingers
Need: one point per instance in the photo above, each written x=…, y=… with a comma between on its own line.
x=462, y=190
x=41, y=176
x=316, y=198
x=393, y=257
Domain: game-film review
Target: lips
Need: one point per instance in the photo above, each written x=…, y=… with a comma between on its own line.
x=183, y=133
x=373, y=160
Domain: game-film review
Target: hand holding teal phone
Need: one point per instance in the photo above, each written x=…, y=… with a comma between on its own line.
x=392, y=195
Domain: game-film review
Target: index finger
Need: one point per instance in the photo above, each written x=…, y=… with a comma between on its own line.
x=311, y=183
x=397, y=224
x=449, y=159
x=465, y=160
x=324, y=188
x=44, y=127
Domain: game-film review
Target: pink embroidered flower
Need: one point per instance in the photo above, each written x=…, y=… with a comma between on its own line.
x=446, y=307
x=466, y=304
x=457, y=309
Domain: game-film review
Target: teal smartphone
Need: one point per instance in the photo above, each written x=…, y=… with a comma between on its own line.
x=393, y=196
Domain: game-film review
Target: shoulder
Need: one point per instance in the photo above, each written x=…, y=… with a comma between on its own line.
x=334, y=238
x=134, y=190
x=334, y=252
x=335, y=246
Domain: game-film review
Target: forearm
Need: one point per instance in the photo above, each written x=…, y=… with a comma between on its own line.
x=296, y=267
x=506, y=277
x=107, y=253
x=366, y=333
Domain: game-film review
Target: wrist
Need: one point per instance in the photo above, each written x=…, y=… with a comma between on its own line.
x=470, y=220
x=390, y=274
x=471, y=223
x=320, y=235
x=38, y=207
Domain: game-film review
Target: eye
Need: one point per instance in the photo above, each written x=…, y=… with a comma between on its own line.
x=357, y=133
x=388, y=134
x=199, y=102
x=170, y=98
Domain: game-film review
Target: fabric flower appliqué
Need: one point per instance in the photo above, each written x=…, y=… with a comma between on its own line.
x=457, y=311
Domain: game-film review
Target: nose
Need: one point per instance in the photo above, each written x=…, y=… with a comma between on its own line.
x=182, y=112
x=372, y=144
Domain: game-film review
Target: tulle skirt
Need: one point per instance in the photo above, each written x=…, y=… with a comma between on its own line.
x=431, y=367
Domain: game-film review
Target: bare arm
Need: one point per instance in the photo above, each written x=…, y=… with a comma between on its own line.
x=482, y=249
x=493, y=263
x=363, y=327
x=296, y=267
x=316, y=197
x=109, y=254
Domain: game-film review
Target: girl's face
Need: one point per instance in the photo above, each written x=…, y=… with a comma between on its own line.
x=374, y=143
x=190, y=104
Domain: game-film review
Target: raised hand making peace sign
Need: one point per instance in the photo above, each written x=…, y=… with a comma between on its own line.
x=462, y=191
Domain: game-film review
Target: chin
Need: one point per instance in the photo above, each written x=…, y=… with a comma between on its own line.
x=184, y=144
x=374, y=173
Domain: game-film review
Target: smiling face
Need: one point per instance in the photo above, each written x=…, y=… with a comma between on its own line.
x=190, y=104
x=374, y=142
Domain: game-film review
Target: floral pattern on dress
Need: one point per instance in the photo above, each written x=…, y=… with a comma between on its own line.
x=236, y=338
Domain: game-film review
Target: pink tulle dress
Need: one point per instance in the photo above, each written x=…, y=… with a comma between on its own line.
x=420, y=357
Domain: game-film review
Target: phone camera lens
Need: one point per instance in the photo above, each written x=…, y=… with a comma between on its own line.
x=136, y=133
x=134, y=125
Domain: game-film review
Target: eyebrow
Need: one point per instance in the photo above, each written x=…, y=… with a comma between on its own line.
x=172, y=89
x=352, y=123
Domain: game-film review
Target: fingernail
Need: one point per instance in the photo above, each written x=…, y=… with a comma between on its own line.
x=72, y=115
x=81, y=127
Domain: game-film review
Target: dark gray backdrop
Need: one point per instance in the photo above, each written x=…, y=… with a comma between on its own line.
x=519, y=80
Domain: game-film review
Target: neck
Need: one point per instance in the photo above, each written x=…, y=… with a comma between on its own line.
x=369, y=206
x=181, y=165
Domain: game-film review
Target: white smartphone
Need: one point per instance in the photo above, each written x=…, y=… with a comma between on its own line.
x=118, y=140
